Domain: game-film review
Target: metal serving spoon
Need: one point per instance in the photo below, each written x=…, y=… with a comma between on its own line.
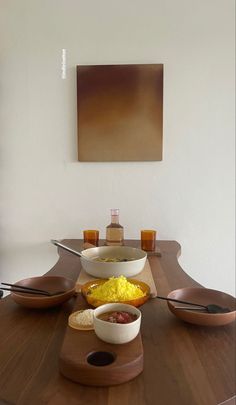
x=74, y=252
x=211, y=308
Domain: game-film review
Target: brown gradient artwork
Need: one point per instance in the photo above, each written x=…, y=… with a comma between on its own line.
x=120, y=112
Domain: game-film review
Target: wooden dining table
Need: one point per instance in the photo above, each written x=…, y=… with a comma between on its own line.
x=184, y=364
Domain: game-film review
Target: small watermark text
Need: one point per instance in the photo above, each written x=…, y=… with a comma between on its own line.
x=63, y=63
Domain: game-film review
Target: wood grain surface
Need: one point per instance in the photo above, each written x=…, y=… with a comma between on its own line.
x=183, y=364
x=79, y=345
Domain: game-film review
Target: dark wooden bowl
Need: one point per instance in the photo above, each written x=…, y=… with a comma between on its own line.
x=203, y=296
x=48, y=283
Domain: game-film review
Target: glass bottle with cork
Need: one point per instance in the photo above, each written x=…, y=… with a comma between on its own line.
x=114, y=231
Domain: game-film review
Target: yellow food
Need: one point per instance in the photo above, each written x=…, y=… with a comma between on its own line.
x=117, y=289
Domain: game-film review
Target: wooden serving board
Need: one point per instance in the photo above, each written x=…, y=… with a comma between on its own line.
x=80, y=347
x=111, y=364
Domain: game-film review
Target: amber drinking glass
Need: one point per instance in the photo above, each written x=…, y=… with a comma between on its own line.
x=148, y=240
x=91, y=236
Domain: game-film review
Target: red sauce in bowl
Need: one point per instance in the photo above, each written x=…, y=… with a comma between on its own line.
x=118, y=317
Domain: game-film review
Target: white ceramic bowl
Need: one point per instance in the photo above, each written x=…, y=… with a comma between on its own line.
x=113, y=269
x=116, y=333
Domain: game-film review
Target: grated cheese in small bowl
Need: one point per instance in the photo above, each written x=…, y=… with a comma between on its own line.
x=82, y=320
x=85, y=317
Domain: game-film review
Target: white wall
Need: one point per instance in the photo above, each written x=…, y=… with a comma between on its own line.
x=46, y=193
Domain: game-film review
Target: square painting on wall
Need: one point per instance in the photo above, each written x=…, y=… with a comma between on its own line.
x=120, y=112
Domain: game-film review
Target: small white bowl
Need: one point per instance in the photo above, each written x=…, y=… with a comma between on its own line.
x=116, y=333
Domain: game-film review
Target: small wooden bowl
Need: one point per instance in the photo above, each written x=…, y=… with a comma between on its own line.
x=203, y=296
x=86, y=290
x=48, y=283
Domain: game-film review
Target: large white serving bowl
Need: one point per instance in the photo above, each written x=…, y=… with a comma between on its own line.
x=113, y=269
x=116, y=333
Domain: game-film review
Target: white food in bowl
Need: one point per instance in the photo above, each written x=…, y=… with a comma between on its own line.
x=116, y=333
x=135, y=263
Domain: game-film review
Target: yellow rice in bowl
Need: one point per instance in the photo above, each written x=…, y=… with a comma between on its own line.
x=116, y=289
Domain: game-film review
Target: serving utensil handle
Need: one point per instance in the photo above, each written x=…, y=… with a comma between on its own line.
x=180, y=302
x=74, y=252
x=22, y=287
x=192, y=308
x=20, y=290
